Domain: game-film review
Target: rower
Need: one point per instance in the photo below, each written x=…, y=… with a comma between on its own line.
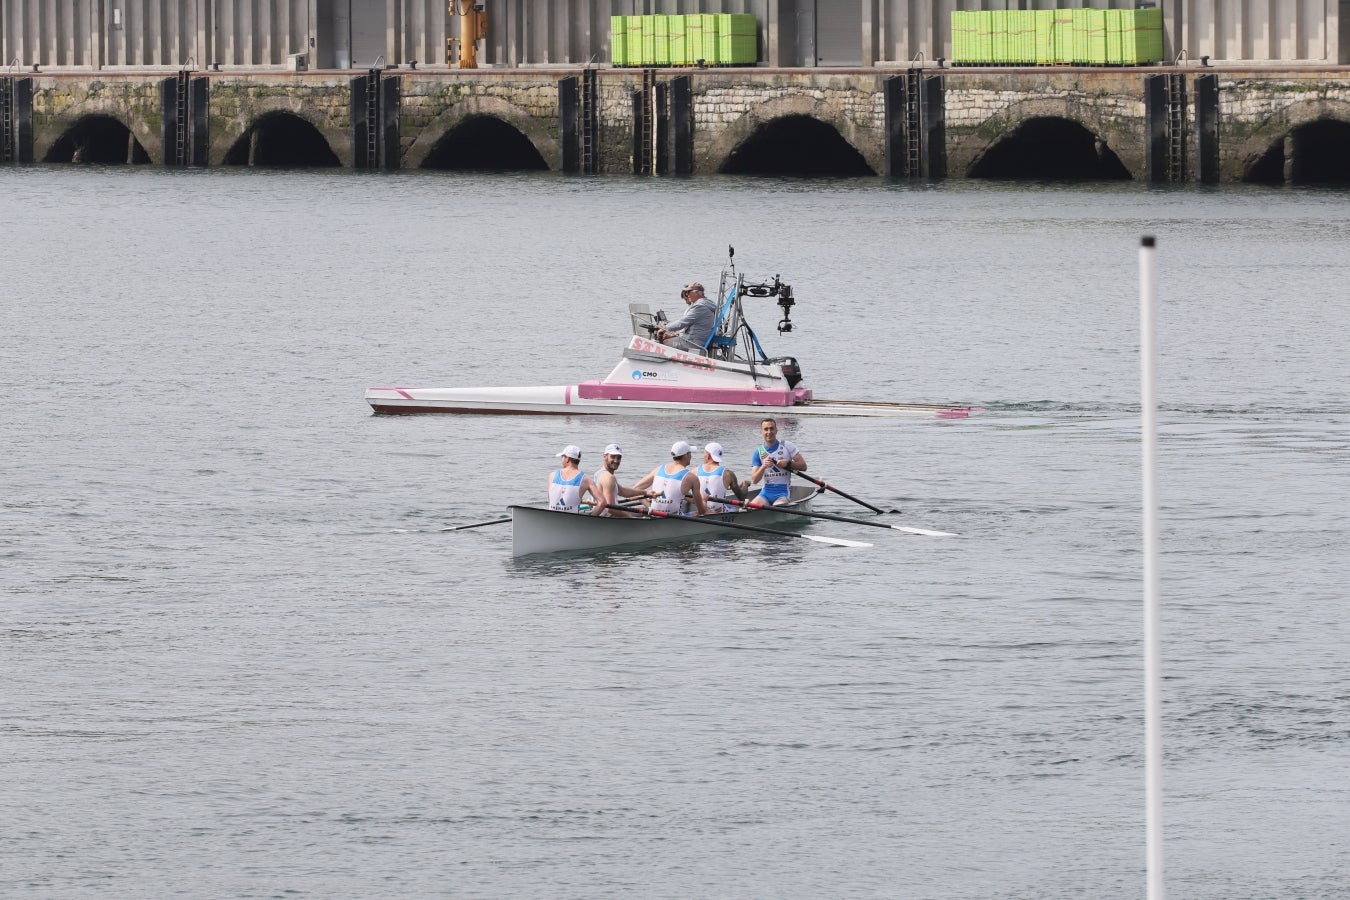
x=673, y=482
x=567, y=485
x=774, y=461
x=607, y=482
x=717, y=481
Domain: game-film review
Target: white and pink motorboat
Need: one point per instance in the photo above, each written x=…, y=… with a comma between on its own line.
x=732, y=375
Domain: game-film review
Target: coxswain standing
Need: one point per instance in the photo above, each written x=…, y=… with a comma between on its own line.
x=774, y=462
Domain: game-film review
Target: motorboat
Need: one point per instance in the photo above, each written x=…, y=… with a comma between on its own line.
x=731, y=374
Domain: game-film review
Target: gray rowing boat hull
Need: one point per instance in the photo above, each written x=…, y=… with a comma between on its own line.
x=538, y=530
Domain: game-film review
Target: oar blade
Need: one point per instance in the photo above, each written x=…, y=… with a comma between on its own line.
x=928, y=531
x=837, y=542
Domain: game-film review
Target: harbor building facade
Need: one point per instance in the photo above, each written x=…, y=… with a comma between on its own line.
x=362, y=34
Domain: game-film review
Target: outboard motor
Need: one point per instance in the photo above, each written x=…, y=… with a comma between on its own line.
x=791, y=371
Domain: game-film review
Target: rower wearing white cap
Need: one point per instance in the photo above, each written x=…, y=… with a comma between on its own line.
x=673, y=482
x=607, y=482
x=567, y=485
x=717, y=481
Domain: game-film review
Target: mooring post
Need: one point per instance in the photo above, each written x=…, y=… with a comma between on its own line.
x=1207, y=128
x=569, y=116
x=682, y=124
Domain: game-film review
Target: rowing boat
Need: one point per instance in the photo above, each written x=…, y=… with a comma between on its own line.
x=537, y=529
x=731, y=374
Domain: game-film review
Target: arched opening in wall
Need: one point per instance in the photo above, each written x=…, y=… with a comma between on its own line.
x=97, y=139
x=484, y=143
x=1315, y=153
x=795, y=145
x=281, y=140
x=1050, y=149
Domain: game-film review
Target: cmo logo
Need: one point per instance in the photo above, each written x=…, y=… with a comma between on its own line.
x=638, y=375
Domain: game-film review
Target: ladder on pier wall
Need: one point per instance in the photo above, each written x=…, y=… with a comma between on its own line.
x=915, y=110
x=184, y=102
x=6, y=120
x=651, y=115
x=1165, y=119
x=375, y=103
x=16, y=119
x=590, y=121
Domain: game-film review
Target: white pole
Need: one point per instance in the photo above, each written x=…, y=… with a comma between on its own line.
x=1153, y=759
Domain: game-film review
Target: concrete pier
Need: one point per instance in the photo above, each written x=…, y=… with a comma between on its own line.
x=1160, y=123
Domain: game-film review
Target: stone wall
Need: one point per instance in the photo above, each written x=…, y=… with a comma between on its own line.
x=1258, y=108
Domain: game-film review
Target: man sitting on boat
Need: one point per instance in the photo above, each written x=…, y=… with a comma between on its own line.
x=607, y=482
x=718, y=481
x=673, y=482
x=567, y=485
x=691, y=330
x=774, y=462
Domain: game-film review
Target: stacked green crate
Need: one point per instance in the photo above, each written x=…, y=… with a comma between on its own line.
x=693, y=39
x=961, y=39
x=1115, y=19
x=618, y=40
x=648, y=40
x=1141, y=37
x=634, y=32
x=1063, y=38
x=1045, y=37
x=997, y=23
x=709, y=52
x=737, y=39
x=678, y=33
x=1096, y=35
x=661, y=49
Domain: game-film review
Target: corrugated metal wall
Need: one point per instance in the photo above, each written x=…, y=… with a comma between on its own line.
x=99, y=33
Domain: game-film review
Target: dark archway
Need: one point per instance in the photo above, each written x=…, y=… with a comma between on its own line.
x=97, y=139
x=795, y=145
x=484, y=143
x=281, y=140
x=1316, y=153
x=1050, y=149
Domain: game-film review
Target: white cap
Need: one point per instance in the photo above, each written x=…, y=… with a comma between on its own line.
x=680, y=448
x=714, y=450
x=614, y=450
x=571, y=451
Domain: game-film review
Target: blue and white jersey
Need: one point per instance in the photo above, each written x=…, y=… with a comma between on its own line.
x=564, y=495
x=774, y=477
x=714, y=486
x=672, y=493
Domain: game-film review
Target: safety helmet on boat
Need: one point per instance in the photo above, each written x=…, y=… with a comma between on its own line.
x=680, y=448
x=714, y=450
x=614, y=450
x=571, y=451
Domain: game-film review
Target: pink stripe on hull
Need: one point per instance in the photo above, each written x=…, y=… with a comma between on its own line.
x=599, y=390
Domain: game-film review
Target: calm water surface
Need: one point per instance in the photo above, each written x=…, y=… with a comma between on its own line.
x=239, y=657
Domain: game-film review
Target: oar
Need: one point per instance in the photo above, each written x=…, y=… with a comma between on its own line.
x=830, y=487
x=838, y=542
x=833, y=518
x=627, y=503
x=478, y=524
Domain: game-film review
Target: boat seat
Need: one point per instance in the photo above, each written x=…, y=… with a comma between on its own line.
x=644, y=321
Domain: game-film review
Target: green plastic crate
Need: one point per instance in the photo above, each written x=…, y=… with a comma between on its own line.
x=618, y=40
x=1141, y=38
x=1064, y=36
x=1045, y=37
x=709, y=52
x=634, y=32
x=737, y=39
x=661, y=49
x=1094, y=30
x=693, y=39
x=679, y=32
x=961, y=36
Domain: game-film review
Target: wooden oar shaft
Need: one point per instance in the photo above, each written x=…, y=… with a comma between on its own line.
x=830, y=487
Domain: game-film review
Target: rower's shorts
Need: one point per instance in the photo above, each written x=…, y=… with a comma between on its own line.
x=772, y=493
